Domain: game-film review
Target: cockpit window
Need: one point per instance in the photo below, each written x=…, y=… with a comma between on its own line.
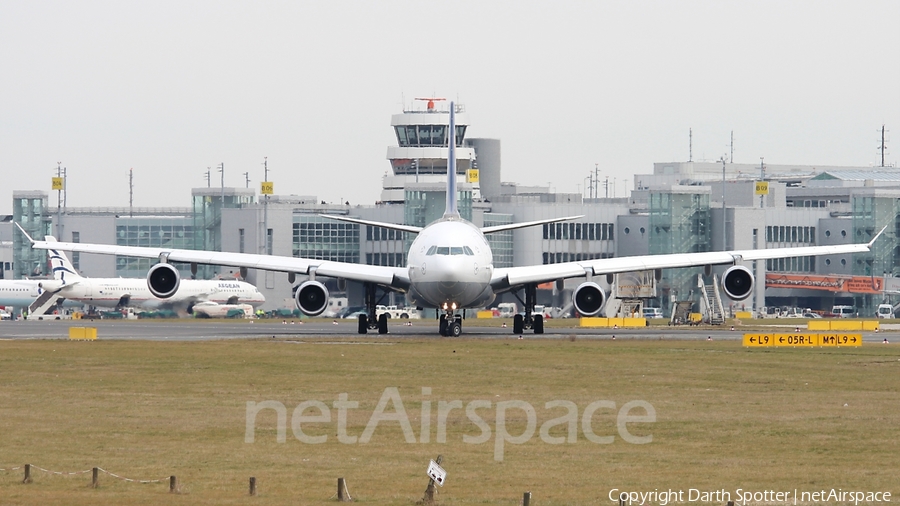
x=456, y=250
x=443, y=250
x=468, y=250
x=431, y=250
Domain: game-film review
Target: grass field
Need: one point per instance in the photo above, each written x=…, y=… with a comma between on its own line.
x=725, y=418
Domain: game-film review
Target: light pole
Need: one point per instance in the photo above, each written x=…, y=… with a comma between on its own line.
x=724, y=230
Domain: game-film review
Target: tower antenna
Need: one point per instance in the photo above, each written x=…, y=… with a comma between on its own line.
x=131, y=193
x=690, y=144
x=731, y=156
x=883, y=146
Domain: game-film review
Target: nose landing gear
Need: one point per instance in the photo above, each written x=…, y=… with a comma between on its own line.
x=450, y=324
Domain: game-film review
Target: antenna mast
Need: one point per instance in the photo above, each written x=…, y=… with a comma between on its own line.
x=131, y=193
x=731, y=156
x=690, y=144
x=883, y=147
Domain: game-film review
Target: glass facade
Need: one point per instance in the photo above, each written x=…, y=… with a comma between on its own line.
x=424, y=207
x=175, y=232
x=319, y=238
x=427, y=135
x=29, y=211
x=870, y=215
x=501, y=242
x=679, y=223
x=207, y=209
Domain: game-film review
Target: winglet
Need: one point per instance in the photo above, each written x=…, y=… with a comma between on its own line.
x=876, y=237
x=24, y=232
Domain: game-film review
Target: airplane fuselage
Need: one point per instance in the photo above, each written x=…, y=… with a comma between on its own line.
x=22, y=292
x=450, y=266
x=134, y=292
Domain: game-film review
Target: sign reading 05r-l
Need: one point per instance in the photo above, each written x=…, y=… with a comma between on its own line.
x=762, y=187
x=802, y=339
x=266, y=187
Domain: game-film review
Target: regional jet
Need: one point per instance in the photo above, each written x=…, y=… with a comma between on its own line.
x=134, y=292
x=450, y=267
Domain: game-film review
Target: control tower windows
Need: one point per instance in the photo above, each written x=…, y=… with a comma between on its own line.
x=427, y=135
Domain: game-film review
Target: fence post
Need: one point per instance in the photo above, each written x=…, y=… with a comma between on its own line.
x=94, y=478
x=343, y=494
x=252, y=485
x=173, y=484
x=27, y=474
x=526, y=500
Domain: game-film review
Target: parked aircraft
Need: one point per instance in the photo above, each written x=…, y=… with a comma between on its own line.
x=20, y=293
x=450, y=267
x=133, y=292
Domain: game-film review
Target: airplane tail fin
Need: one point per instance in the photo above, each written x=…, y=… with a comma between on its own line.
x=63, y=270
x=452, y=210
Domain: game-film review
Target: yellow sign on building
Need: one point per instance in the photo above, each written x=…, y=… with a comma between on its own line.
x=472, y=176
x=59, y=183
x=762, y=187
x=266, y=187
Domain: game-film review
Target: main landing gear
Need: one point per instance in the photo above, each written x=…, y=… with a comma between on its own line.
x=369, y=321
x=529, y=320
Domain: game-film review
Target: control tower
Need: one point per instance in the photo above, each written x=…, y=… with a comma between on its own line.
x=420, y=158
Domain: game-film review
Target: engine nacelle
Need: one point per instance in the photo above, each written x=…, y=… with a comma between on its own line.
x=588, y=298
x=163, y=280
x=737, y=282
x=312, y=298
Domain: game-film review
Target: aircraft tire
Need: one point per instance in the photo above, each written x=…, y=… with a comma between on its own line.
x=383, y=323
x=363, y=324
x=518, y=324
x=455, y=329
x=539, y=324
x=442, y=326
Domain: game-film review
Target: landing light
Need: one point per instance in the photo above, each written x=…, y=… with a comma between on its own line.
x=453, y=306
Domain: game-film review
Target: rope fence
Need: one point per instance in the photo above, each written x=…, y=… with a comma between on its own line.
x=95, y=473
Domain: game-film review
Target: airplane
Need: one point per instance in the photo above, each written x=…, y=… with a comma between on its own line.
x=20, y=293
x=450, y=267
x=133, y=292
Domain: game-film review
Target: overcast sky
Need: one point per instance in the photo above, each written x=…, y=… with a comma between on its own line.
x=171, y=88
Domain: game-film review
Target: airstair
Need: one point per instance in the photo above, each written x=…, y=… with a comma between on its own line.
x=47, y=300
x=711, y=302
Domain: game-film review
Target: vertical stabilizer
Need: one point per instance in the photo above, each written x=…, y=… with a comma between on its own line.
x=63, y=270
x=452, y=211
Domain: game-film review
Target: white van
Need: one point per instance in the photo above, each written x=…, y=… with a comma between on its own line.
x=653, y=312
x=885, y=311
x=844, y=311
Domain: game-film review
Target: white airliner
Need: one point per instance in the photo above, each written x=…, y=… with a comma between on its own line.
x=134, y=292
x=450, y=267
x=20, y=293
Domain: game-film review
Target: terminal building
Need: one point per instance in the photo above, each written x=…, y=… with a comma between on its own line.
x=679, y=207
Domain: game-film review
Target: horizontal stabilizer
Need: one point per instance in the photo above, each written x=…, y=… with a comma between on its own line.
x=404, y=228
x=513, y=226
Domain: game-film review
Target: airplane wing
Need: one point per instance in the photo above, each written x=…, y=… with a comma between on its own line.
x=504, y=278
x=393, y=277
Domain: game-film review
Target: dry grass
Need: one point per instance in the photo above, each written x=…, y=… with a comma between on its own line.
x=726, y=418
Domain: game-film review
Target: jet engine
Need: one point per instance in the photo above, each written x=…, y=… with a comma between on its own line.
x=163, y=280
x=588, y=298
x=312, y=298
x=737, y=282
